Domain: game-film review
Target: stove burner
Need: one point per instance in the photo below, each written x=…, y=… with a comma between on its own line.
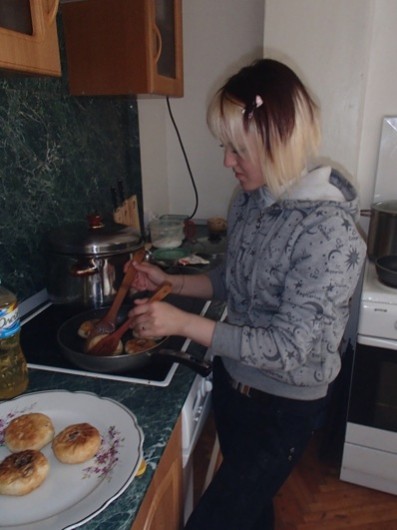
x=41, y=348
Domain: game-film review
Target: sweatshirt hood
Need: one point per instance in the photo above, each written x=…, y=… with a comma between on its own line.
x=320, y=185
x=315, y=185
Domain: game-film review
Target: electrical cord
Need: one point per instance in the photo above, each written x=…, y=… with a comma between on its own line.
x=186, y=159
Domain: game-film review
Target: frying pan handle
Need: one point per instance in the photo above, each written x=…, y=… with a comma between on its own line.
x=198, y=365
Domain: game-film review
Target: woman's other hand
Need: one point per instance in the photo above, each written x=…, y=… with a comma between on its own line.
x=148, y=276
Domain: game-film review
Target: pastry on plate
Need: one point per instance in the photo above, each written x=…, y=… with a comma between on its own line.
x=29, y=431
x=76, y=443
x=23, y=472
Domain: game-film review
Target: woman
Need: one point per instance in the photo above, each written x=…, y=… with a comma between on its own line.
x=293, y=260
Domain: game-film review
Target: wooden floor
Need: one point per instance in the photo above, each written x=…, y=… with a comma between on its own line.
x=313, y=498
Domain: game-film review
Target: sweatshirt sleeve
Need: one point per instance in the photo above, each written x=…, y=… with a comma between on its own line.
x=324, y=268
x=217, y=278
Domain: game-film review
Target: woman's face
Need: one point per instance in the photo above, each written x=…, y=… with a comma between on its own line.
x=247, y=170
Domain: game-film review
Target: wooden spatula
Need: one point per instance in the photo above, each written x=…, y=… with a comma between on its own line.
x=107, y=324
x=108, y=344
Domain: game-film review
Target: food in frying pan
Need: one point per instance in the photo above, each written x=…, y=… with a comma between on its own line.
x=77, y=443
x=86, y=328
x=29, y=431
x=138, y=345
x=23, y=472
x=92, y=342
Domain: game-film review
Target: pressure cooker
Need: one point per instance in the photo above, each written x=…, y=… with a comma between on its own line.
x=86, y=261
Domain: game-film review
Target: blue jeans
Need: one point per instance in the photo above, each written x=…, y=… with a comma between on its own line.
x=261, y=441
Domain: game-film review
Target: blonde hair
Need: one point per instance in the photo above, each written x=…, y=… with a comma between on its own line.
x=266, y=109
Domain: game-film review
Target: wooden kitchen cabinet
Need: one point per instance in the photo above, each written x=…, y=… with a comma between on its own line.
x=162, y=507
x=116, y=47
x=28, y=37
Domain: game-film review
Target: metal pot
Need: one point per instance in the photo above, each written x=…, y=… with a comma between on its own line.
x=382, y=233
x=86, y=261
x=72, y=347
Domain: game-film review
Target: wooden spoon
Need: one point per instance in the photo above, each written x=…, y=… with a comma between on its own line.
x=107, y=324
x=109, y=343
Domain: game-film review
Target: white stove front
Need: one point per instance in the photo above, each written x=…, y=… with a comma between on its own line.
x=370, y=448
x=378, y=311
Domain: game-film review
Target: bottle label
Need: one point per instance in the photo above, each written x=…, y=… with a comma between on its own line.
x=9, y=321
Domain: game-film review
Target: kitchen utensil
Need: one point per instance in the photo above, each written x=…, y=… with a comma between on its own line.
x=109, y=343
x=108, y=323
x=86, y=261
x=382, y=231
x=386, y=268
x=72, y=347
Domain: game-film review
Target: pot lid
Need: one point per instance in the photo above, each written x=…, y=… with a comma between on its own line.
x=95, y=237
x=386, y=207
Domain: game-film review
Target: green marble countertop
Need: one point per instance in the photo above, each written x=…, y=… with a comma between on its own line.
x=156, y=409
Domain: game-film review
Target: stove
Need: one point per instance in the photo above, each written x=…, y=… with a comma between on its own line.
x=42, y=351
x=378, y=310
x=370, y=446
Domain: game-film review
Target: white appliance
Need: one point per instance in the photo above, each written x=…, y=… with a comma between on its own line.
x=370, y=448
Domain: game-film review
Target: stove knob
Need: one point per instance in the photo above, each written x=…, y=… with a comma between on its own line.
x=206, y=386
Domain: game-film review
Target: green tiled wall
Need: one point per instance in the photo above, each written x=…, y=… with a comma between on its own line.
x=59, y=157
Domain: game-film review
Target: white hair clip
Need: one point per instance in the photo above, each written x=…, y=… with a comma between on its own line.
x=249, y=109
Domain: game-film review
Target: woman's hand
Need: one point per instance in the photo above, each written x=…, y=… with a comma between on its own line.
x=157, y=319
x=148, y=276
x=160, y=319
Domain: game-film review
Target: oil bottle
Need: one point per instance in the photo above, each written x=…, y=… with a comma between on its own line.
x=13, y=368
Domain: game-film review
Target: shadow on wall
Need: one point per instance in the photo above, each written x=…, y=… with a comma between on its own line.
x=59, y=157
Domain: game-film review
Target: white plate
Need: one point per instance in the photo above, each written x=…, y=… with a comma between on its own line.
x=73, y=494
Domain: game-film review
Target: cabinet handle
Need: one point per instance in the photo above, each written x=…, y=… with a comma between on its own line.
x=52, y=12
x=159, y=43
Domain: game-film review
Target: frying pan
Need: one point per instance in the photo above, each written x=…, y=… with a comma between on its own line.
x=72, y=347
x=386, y=268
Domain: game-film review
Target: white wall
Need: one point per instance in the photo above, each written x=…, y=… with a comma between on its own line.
x=219, y=37
x=346, y=52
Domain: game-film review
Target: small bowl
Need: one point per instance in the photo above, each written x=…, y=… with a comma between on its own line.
x=166, y=233
x=386, y=268
x=169, y=256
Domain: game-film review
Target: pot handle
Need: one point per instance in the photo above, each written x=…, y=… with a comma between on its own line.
x=84, y=268
x=198, y=365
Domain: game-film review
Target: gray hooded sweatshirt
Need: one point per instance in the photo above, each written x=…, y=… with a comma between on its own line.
x=291, y=268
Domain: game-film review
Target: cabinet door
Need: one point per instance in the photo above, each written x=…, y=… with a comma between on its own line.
x=28, y=36
x=167, y=58
x=116, y=47
x=162, y=507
